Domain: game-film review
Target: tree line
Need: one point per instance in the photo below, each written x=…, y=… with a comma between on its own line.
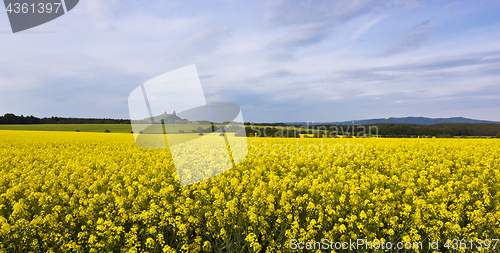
x=439, y=130
x=12, y=119
x=398, y=130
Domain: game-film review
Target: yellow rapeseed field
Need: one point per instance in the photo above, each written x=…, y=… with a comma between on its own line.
x=97, y=192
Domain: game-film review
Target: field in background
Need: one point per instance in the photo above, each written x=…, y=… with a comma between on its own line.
x=113, y=128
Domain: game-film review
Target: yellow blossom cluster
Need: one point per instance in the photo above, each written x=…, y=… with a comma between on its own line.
x=96, y=192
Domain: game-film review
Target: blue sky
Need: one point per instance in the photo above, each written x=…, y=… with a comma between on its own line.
x=279, y=60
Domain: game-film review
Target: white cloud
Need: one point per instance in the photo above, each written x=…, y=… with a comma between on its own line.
x=362, y=29
x=101, y=13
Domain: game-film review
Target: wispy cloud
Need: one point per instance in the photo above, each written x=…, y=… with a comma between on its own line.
x=424, y=23
x=269, y=76
x=409, y=41
x=101, y=13
x=303, y=35
x=203, y=41
x=413, y=4
x=366, y=26
x=296, y=12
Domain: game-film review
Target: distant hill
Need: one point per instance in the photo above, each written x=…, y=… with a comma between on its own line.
x=403, y=120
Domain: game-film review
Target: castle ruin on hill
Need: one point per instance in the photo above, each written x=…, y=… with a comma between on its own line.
x=165, y=114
